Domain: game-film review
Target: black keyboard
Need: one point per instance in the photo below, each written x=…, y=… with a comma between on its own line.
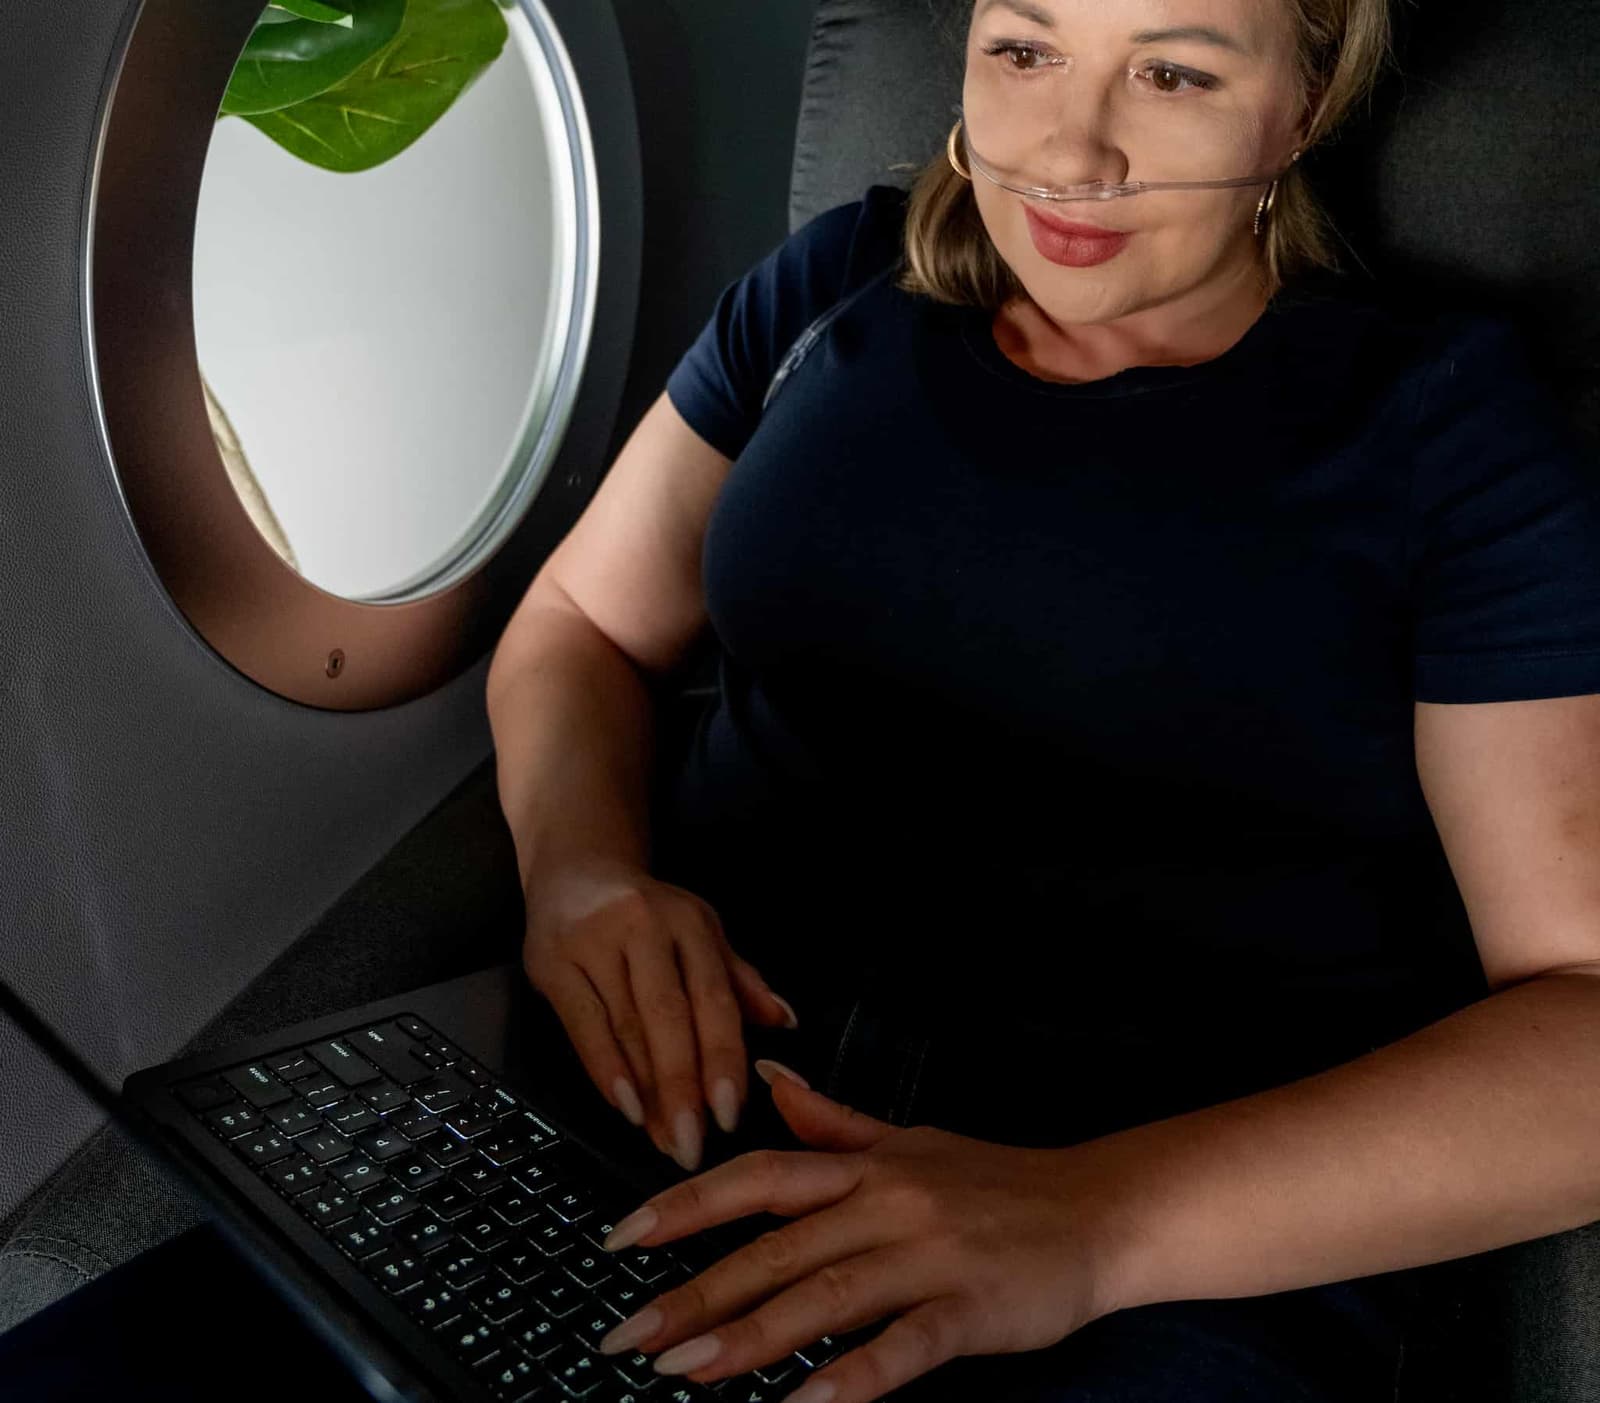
x=475, y=1214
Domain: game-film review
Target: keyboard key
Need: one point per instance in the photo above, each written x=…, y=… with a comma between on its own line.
x=359, y=1174
x=388, y=1047
x=513, y=1379
x=351, y=1117
x=636, y=1370
x=262, y=1149
x=392, y=1207
x=645, y=1264
x=591, y=1326
x=559, y=1295
x=447, y=1150
x=292, y=1066
x=536, y=1335
x=324, y=1146
x=571, y=1205
x=363, y=1237
x=574, y=1369
x=414, y=1027
x=413, y=1171
x=622, y=1294
x=504, y=1147
x=482, y=1230
x=257, y=1085
x=552, y=1236
x=449, y=1051
x=296, y=1174
x=297, y=1118
x=535, y=1176
x=474, y=1339
x=327, y=1205
x=343, y=1061
x=435, y=1305
x=495, y=1299
x=460, y=1267
x=321, y=1091
x=395, y=1269
x=473, y=1073
x=429, y=1058
x=480, y=1178
x=427, y=1234
x=384, y=1144
x=539, y=1131
x=588, y=1269
x=516, y=1206
x=231, y=1122
x=416, y=1127
x=469, y=1121
x=442, y=1092
x=385, y=1097
x=206, y=1094
x=446, y=1200
x=519, y=1264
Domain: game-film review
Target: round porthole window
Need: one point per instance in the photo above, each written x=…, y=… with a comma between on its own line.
x=343, y=268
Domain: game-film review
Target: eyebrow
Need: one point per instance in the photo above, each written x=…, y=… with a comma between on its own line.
x=1201, y=33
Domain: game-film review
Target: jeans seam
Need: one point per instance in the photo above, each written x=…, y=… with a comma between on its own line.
x=838, y=1057
x=916, y=1080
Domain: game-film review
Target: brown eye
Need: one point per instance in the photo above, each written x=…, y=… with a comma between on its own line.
x=1166, y=77
x=1011, y=52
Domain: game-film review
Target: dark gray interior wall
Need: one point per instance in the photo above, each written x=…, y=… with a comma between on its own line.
x=168, y=826
x=718, y=87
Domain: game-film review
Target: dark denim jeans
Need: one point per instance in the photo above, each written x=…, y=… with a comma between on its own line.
x=187, y=1321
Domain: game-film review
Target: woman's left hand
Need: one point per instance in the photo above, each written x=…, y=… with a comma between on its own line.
x=977, y=1248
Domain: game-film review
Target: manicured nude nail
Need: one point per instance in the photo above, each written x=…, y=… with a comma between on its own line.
x=812, y=1391
x=628, y=1100
x=631, y=1229
x=636, y=1327
x=725, y=1103
x=767, y=1068
x=783, y=1003
x=690, y=1355
x=686, y=1138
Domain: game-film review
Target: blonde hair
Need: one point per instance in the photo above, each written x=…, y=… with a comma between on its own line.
x=1343, y=51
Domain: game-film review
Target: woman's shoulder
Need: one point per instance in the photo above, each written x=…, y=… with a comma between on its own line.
x=1416, y=323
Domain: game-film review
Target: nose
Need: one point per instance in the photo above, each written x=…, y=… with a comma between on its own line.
x=1079, y=140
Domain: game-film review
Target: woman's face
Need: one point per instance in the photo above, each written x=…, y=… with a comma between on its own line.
x=1064, y=91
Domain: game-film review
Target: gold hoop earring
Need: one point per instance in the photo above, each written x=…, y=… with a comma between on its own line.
x=950, y=150
x=1264, y=208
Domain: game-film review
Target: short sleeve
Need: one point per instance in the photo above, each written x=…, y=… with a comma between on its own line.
x=719, y=385
x=1505, y=529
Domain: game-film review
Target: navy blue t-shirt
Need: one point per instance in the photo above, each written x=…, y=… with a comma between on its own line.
x=1091, y=705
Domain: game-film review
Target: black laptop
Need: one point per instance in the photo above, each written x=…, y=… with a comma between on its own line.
x=429, y=1179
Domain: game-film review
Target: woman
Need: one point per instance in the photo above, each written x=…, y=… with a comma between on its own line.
x=1089, y=766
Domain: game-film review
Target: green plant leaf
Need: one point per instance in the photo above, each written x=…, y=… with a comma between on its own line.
x=286, y=63
x=392, y=99
x=307, y=9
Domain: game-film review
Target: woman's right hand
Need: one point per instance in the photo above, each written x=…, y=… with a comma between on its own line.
x=652, y=996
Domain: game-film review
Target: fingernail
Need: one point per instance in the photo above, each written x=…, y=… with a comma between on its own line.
x=639, y=1326
x=631, y=1229
x=725, y=1103
x=686, y=1138
x=794, y=1021
x=812, y=1391
x=690, y=1355
x=628, y=1100
x=766, y=1067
